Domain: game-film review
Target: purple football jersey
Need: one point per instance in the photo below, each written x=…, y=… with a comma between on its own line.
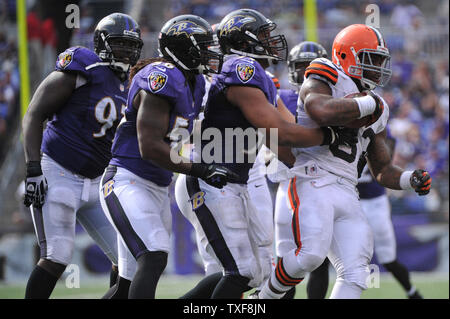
x=166, y=81
x=79, y=136
x=289, y=98
x=221, y=114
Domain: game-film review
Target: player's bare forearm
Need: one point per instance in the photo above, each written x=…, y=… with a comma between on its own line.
x=284, y=112
x=293, y=135
x=389, y=177
x=160, y=153
x=32, y=138
x=249, y=99
x=152, y=125
x=380, y=162
x=50, y=96
x=323, y=108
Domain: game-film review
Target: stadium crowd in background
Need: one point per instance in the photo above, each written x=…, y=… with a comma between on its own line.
x=9, y=76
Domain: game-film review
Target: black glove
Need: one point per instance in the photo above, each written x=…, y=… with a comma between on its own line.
x=421, y=181
x=214, y=175
x=379, y=108
x=339, y=136
x=35, y=185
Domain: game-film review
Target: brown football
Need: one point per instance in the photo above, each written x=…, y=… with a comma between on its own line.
x=358, y=122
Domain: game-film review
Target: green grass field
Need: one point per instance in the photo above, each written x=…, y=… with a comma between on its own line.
x=432, y=286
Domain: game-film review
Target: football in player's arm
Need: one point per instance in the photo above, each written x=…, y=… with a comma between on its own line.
x=326, y=110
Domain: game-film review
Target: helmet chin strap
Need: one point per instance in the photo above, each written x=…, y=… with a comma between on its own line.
x=124, y=67
x=176, y=60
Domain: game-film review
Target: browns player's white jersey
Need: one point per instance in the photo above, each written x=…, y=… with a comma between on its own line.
x=342, y=160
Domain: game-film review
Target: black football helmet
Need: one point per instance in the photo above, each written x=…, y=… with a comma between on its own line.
x=247, y=32
x=117, y=40
x=188, y=41
x=300, y=57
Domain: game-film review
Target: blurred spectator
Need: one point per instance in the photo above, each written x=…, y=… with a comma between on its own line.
x=34, y=47
x=49, y=41
x=9, y=79
x=406, y=14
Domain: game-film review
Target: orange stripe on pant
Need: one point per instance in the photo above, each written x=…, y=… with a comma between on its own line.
x=295, y=204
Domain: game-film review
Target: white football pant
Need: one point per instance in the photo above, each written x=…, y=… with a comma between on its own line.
x=69, y=198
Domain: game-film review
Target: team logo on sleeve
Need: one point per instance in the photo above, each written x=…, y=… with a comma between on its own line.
x=245, y=71
x=64, y=59
x=156, y=81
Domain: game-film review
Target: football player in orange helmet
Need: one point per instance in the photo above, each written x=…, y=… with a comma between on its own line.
x=362, y=54
x=327, y=216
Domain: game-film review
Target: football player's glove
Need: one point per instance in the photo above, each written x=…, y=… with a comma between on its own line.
x=421, y=181
x=214, y=175
x=35, y=185
x=339, y=136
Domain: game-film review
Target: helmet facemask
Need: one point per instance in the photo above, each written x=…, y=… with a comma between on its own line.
x=120, y=51
x=372, y=67
x=202, y=57
x=209, y=57
x=275, y=46
x=297, y=70
x=260, y=45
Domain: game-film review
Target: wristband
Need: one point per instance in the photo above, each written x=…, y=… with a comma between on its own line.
x=405, y=182
x=366, y=104
x=34, y=168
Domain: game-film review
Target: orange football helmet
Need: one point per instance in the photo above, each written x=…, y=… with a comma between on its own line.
x=361, y=52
